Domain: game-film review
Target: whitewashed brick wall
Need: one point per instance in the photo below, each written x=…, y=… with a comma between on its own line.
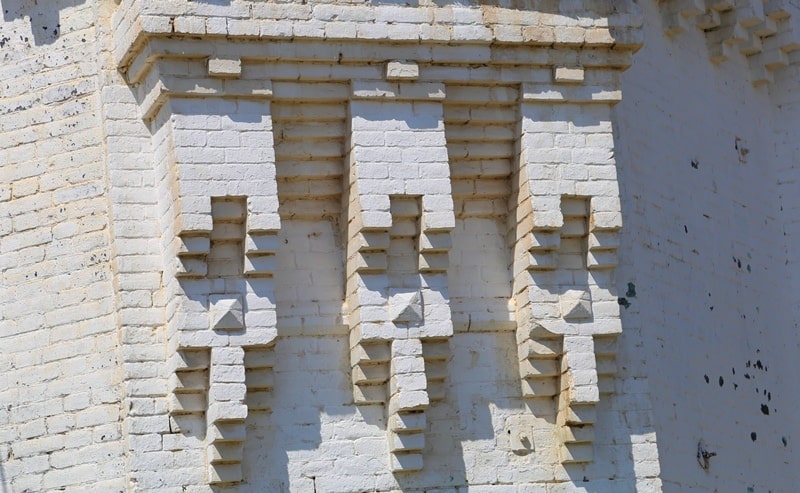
x=60, y=378
x=707, y=166
x=703, y=243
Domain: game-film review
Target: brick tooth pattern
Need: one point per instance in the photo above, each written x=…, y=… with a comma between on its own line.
x=565, y=254
x=763, y=31
x=577, y=399
x=436, y=354
x=219, y=215
x=188, y=382
x=309, y=148
x=540, y=364
x=226, y=415
x=408, y=399
x=259, y=364
x=605, y=353
x=370, y=369
x=399, y=200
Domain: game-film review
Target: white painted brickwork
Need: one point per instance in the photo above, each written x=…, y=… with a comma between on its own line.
x=701, y=193
x=396, y=171
x=60, y=383
x=340, y=247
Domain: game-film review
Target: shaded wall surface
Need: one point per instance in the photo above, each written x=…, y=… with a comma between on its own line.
x=700, y=153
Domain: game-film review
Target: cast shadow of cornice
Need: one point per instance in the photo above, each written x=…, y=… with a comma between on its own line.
x=44, y=16
x=567, y=8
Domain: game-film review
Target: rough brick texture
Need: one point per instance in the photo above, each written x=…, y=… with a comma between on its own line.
x=345, y=246
x=60, y=388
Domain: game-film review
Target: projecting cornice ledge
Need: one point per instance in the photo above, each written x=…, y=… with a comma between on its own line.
x=596, y=26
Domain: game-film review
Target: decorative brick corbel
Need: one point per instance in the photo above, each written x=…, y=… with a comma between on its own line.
x=220, y=222
x=399, y=199
x=565, y=239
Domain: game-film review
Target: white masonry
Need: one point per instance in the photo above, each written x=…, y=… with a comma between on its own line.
x=444, y=247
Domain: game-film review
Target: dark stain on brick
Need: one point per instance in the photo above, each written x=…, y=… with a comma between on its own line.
x=742, y=150
x=703, y=455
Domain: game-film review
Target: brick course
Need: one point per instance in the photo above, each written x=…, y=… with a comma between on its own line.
x=340, y=247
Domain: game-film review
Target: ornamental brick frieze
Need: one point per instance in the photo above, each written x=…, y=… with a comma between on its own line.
x=567, y=216
x=420, y=129
x=400, y=212
x=219, y=216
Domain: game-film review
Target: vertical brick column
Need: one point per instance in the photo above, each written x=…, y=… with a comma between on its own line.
x=399, y=197
x=220, y=218
x=567, y=216
x=227, y=411
x=408, y=399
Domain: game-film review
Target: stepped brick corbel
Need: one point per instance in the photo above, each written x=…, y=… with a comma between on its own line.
x=219, y=207
x=399, y=201
x=565, y=223
x=205, y=81
x=763, y=31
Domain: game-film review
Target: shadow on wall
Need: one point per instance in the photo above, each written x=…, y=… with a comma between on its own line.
x=215, y=2
x=44, y=16
x=573, y=8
